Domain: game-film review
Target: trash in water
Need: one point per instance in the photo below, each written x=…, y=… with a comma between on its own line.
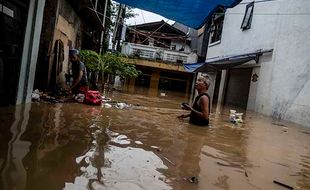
x=106, y=105
x=191, y=179
x=235, y=117
x=169, y=161
x=282, y=184
x=104, y=99
x=35, y=96
x=80, y=98
x=121, y=105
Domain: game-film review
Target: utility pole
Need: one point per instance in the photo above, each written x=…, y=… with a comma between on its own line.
x=103, y=25
x=118, y=26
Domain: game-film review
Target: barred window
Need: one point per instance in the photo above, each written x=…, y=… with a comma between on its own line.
x=217, y=27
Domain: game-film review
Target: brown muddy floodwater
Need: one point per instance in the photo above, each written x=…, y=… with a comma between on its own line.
x=76, y=146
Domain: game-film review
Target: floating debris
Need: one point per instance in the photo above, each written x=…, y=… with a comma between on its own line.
x=138, y=142
x=191, y=179
x=106, y=105
x=235, y=117
x=35, y=96
x=169, y=161
x=282, y=184
x=80, y=98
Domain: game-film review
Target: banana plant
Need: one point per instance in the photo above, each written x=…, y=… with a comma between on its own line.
x=108, y=63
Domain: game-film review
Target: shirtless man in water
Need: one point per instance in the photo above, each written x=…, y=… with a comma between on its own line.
x=200, y=110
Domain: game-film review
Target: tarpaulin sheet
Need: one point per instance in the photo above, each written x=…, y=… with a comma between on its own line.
x=192, y=13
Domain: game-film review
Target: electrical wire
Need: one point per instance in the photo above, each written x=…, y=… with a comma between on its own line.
x=155, y=31
x=259, y=1
x=97, y=13
x=142, y=15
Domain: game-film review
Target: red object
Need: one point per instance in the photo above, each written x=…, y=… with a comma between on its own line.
x=93, y=97
x=83, y=89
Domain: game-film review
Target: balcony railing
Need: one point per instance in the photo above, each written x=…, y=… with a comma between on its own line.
x=153, y=53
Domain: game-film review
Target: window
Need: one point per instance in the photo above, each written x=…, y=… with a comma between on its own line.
x=247, y=19
x=6, y=10
x=216, y=27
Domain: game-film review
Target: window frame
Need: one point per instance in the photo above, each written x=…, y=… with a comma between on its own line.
x=247, y=22
x=217, y=28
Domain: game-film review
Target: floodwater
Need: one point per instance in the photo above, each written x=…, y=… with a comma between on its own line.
x=76, y=146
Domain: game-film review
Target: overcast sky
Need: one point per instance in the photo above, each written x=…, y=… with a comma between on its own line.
x=145, y=17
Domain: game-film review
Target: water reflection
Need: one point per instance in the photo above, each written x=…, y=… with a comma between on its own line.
x=12, y=171
x=75, y=146
x=113, y=167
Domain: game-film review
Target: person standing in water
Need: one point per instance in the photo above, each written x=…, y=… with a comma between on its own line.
x=200, y=110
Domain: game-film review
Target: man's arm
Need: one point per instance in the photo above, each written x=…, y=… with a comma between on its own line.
x=77, y=80
x=183, y=116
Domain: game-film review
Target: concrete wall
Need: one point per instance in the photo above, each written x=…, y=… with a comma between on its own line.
x=283, y=88
x=179, y=45
x=192, y=34
x=291, y=72
x=30, y=51
x=68, y=26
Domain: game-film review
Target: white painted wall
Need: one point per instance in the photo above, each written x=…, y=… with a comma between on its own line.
x=283, y=88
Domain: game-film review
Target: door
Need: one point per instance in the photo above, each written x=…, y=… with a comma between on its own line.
x=238, y=86
x=13, y=19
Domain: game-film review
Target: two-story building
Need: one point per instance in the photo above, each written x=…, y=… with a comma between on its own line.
x=275, y=81
x=158, y=50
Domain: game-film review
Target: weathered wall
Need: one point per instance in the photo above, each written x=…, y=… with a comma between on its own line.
x=47, y=34
x=291, y=72
x=68, y=27
x=283, y=88
x=60, y=22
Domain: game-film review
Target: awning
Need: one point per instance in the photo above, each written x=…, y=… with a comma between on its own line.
x=190, y=13
x=224, y=62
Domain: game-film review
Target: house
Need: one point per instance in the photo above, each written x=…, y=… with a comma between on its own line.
x=275, y=81
x=158, y=50
x=35, y=38
x=66, y=24
x=20, y=22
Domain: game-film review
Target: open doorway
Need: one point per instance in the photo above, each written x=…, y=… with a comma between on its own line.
x=238, y=86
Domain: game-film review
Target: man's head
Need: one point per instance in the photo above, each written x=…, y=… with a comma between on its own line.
x=202, y=83
x=74, y=55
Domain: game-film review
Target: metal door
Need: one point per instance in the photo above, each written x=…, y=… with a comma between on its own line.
x=13, y=19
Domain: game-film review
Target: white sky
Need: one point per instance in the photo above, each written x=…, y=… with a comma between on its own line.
x=145, y=17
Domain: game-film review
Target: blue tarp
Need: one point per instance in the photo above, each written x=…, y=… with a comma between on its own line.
x=192, y=13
